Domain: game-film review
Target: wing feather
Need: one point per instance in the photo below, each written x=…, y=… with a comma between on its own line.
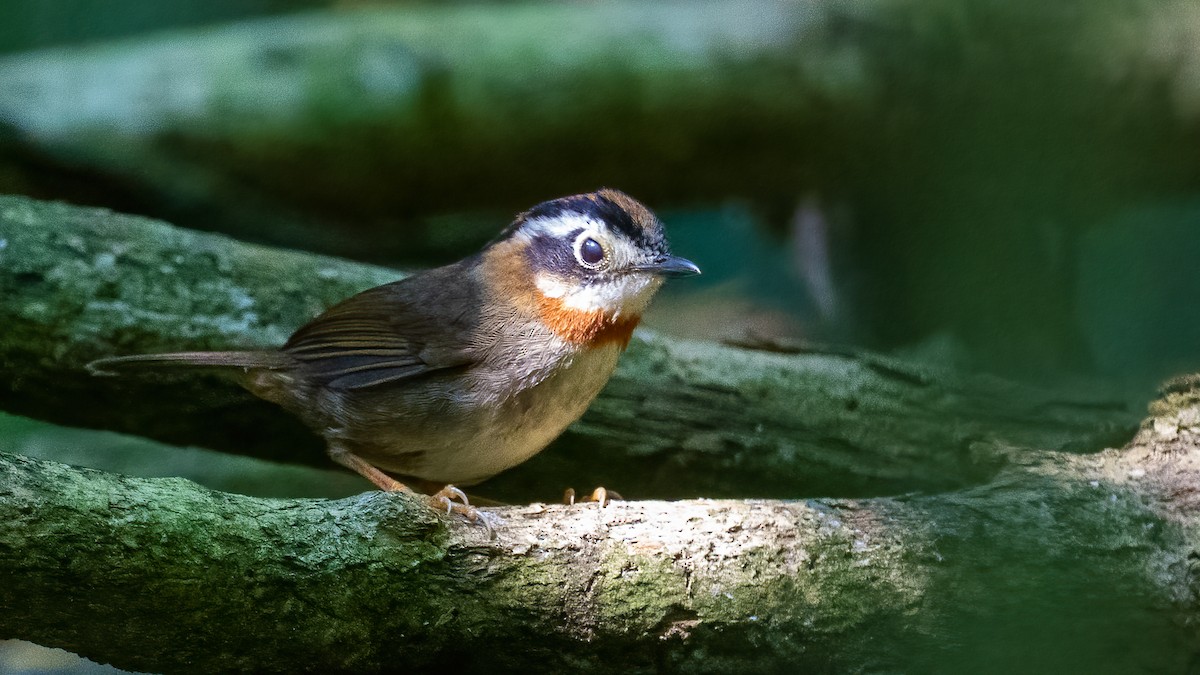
x=391, y=333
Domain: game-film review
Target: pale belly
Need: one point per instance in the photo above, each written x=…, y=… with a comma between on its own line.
x=494, y=435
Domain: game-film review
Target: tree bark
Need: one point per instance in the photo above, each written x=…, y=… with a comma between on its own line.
x=679, y=418
x=1060, y=561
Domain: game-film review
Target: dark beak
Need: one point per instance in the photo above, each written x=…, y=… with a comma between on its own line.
x=672, y=266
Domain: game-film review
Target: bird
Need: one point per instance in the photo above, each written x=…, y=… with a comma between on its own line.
x=452, y=375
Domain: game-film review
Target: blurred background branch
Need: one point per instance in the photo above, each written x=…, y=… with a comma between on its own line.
x=374, y=120
x=936, y=168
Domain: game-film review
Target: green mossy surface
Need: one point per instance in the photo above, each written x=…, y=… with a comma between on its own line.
x=79, y=283
x=1061, y=564
x=88, y=543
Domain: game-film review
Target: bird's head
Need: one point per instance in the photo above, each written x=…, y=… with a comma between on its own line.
x=592, y=260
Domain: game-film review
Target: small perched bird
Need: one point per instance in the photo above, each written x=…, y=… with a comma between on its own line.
x=455, y=374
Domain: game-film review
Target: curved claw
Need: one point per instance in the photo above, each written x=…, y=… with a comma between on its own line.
x=448, y=497
x=454, y=493
x=454, y=500
x=600, y=495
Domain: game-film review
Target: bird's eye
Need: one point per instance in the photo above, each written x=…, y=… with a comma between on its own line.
x=590, y=252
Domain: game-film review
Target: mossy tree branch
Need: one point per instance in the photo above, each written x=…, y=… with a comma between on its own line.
x=1062, y=559
x=679, y=418
x=1086, y=555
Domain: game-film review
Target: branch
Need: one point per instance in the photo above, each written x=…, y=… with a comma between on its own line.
x=679, y=418
x=294, y=127
x=301, y=125
x=1088, y=555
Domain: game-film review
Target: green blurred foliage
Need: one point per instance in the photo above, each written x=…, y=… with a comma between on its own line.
x=1000, y=144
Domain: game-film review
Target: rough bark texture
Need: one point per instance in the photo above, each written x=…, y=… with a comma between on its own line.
x=1061, y=562
x=678, y=419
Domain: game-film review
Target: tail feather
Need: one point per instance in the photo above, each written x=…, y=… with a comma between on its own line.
x=114, y=364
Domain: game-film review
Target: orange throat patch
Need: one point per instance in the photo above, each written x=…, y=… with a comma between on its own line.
x=580, y=327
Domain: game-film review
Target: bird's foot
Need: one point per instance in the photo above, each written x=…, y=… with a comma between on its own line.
x=600, y=495
x=449, y=499
x=453, y=500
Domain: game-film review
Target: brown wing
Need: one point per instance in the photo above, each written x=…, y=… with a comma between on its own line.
x=399, y=331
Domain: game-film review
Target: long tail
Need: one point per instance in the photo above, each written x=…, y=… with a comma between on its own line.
x=115, y=364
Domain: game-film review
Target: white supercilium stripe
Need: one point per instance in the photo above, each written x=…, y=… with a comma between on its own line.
x=560, y=226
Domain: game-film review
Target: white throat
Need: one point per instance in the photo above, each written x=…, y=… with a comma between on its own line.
x=627, y=295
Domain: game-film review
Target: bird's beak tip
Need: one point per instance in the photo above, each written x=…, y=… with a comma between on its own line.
x=675, y=266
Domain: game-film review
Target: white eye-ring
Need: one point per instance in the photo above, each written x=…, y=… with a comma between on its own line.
x=590, y=253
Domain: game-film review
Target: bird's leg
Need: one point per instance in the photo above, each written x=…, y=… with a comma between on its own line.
x=600, y=495
x=362, y=467
x=449, y=498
